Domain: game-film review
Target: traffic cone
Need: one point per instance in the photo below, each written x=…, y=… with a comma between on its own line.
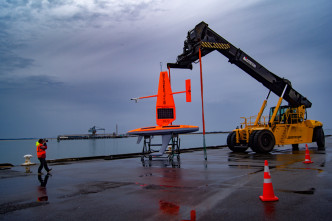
x=307, y=155
x=192, y=216
x=268, y=193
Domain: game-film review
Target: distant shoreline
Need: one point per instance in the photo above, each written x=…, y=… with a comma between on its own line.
x=54, y=138
x=198, y=133
x=21, y=139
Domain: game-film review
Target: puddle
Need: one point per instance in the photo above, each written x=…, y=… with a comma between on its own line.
x=95, y=187
x=169, y=207
x=310, y=191
x=11, y=207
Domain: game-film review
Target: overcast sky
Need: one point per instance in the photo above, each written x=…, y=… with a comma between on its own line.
x=68, y=65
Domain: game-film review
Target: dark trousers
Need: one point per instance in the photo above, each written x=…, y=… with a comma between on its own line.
x=43, y=163
x=43, y=182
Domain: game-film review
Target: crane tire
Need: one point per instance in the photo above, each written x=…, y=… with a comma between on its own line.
x=264, y=141
x=295, y=146
x=320, y=138
x=251, y=141
x=231, y=143
x=231, y=140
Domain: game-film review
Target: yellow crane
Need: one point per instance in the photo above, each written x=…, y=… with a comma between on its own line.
x=284, y=125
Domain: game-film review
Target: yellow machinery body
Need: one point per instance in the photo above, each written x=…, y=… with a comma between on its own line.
x=284, y=133
x=285, y=125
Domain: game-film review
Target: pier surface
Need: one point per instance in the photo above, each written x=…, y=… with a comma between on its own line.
x=225, y=187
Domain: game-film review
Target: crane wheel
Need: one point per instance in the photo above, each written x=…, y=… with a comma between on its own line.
x=264, y=141
x=320, y=138
x=231, y=140
x=232, y=145
x=295, y=147
x=251, y=141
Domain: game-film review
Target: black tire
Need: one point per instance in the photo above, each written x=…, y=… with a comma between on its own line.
x=264, y=141
x=231, y=140
x=320, y=138
x=251, y=141
x=295, y=146
x=231, y=143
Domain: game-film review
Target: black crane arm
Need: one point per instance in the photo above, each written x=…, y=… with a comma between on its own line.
x=205, y=38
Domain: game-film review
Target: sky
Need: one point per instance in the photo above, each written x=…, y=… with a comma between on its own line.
x=68, y=65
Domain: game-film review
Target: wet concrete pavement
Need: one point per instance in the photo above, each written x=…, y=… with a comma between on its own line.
x=226, y=187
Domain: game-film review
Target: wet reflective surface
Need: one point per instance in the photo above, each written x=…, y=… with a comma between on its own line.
x=226, y=187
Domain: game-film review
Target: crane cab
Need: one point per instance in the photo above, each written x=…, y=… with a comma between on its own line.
x=288, y=115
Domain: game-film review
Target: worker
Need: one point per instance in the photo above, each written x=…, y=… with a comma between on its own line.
x=41, y=154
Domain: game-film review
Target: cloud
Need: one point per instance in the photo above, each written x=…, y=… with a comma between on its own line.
x=31, y=22
x=75, y=64
x=11, y=61
x=66, y=13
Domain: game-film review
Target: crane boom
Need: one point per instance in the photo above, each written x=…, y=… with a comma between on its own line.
x=205, y=38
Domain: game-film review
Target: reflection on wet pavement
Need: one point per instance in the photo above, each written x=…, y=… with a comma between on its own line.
x=225, y=187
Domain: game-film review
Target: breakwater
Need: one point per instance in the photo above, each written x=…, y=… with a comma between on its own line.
x=90, y=136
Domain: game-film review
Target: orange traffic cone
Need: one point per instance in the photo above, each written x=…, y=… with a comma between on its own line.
x=307, y=155
x=192, y=216
x=268, y=193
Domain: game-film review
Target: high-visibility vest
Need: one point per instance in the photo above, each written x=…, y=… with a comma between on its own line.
x=41, y=153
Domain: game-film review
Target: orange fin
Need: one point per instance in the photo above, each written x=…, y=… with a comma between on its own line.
x=188, y=90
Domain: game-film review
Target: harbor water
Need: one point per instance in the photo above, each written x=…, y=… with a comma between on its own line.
x=12, y=151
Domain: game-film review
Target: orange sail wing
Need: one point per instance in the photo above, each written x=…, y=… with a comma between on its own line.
x=165, y=108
